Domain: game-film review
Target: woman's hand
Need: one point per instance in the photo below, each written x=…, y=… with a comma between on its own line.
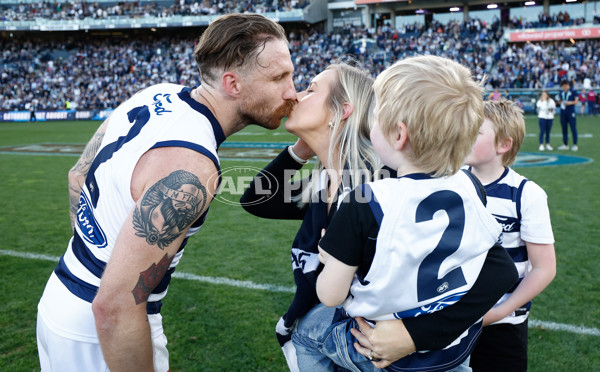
x=302, y=150
x=384, y=344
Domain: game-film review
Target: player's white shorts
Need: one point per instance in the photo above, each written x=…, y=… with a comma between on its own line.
x=58, y=353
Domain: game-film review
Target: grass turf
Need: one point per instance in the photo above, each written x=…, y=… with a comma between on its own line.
x=214, y=327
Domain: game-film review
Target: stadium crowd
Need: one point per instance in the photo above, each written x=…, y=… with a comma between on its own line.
x=101, y=74
x=560, y=19
x=81, y=9
x=69, y=10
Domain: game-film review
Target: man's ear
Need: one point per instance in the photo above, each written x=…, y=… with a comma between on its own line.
x=400, y=137
x=347, y=110
x=504, y=145
x=231, y=83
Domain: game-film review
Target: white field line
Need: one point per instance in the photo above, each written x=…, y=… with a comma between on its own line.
x=533, y=323
x=181, y=275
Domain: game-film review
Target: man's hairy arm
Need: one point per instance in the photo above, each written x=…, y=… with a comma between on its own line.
x=78, y=173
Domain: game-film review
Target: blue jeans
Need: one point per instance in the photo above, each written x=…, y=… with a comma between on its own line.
x=545, y=127
x=321, y=345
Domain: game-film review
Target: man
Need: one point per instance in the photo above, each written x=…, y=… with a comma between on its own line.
x=568, y=99
x=143, y=186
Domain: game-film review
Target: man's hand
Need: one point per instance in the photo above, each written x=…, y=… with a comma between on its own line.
x=384, y=344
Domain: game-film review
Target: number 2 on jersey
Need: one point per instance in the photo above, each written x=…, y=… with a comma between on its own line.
x=428, y=284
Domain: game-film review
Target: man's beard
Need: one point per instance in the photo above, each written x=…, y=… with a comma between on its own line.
x=269, y=120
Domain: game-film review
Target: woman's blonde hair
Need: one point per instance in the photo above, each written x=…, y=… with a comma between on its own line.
x=441, y=105
x=508, y=122
x=351, y=153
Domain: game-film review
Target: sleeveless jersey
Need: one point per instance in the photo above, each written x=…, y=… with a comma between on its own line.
x=433, y=238
x=163, y=115
x=434, y=235
x=521, y=208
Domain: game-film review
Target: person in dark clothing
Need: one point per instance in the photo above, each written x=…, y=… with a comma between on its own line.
x=32, y=109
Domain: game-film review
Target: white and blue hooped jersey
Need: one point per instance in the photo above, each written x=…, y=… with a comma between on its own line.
x=521, y=208
x=163, y=115
x=434, y=236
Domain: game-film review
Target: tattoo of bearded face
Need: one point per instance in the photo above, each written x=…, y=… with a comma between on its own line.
x=168, y=207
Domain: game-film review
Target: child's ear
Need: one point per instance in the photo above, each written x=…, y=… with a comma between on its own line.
x=400, y=138
x=504, y=145
x=347, y=110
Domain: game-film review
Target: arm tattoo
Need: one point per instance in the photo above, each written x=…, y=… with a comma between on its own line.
x=169, y=207
x=87, y=157
x=150, y=278
x=82, y=167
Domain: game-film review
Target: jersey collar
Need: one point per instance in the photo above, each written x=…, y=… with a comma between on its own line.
x=185, y=96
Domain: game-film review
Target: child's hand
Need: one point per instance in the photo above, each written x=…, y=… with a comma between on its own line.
x=492, y=316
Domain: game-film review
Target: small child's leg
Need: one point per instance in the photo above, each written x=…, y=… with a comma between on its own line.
x=308, y=339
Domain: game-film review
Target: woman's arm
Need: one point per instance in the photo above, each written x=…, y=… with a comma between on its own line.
x=270, y=192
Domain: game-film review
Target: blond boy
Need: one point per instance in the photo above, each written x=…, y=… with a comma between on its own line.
x=521, y=208
x=411, y=245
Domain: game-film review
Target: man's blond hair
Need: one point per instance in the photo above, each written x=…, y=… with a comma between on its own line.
x=508, y=122
x=441, y=105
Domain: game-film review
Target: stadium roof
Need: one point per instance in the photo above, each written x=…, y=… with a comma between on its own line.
x=404, y=7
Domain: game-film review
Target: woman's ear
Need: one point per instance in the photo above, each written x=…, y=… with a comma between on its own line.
x=347, y=110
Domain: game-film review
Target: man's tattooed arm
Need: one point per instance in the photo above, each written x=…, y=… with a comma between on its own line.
x=79, y=172
x=165, y=212
x=169, y=207
x=150, y=278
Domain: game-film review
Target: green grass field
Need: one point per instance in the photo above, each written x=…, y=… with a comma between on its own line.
x=221, y=327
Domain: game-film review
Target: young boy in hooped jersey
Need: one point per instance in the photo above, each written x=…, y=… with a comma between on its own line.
x=521, y=208
x=407, y=246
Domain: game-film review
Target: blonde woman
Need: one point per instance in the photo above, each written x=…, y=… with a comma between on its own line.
x=333, y=121
x=546, y=109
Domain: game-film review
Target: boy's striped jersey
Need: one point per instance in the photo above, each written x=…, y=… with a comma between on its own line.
x=520, y=206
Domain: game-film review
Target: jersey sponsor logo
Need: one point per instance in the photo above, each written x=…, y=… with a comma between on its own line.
x=443, y=288
x=158, y=103
x=90, y=230
x=430, y=308
x=509, y=224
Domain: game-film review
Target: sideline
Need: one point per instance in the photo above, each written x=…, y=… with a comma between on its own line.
x=533, y=323
x=176, y=274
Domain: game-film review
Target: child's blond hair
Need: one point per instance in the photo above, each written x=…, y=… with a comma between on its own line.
x=441, y=105
x=508, y=122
